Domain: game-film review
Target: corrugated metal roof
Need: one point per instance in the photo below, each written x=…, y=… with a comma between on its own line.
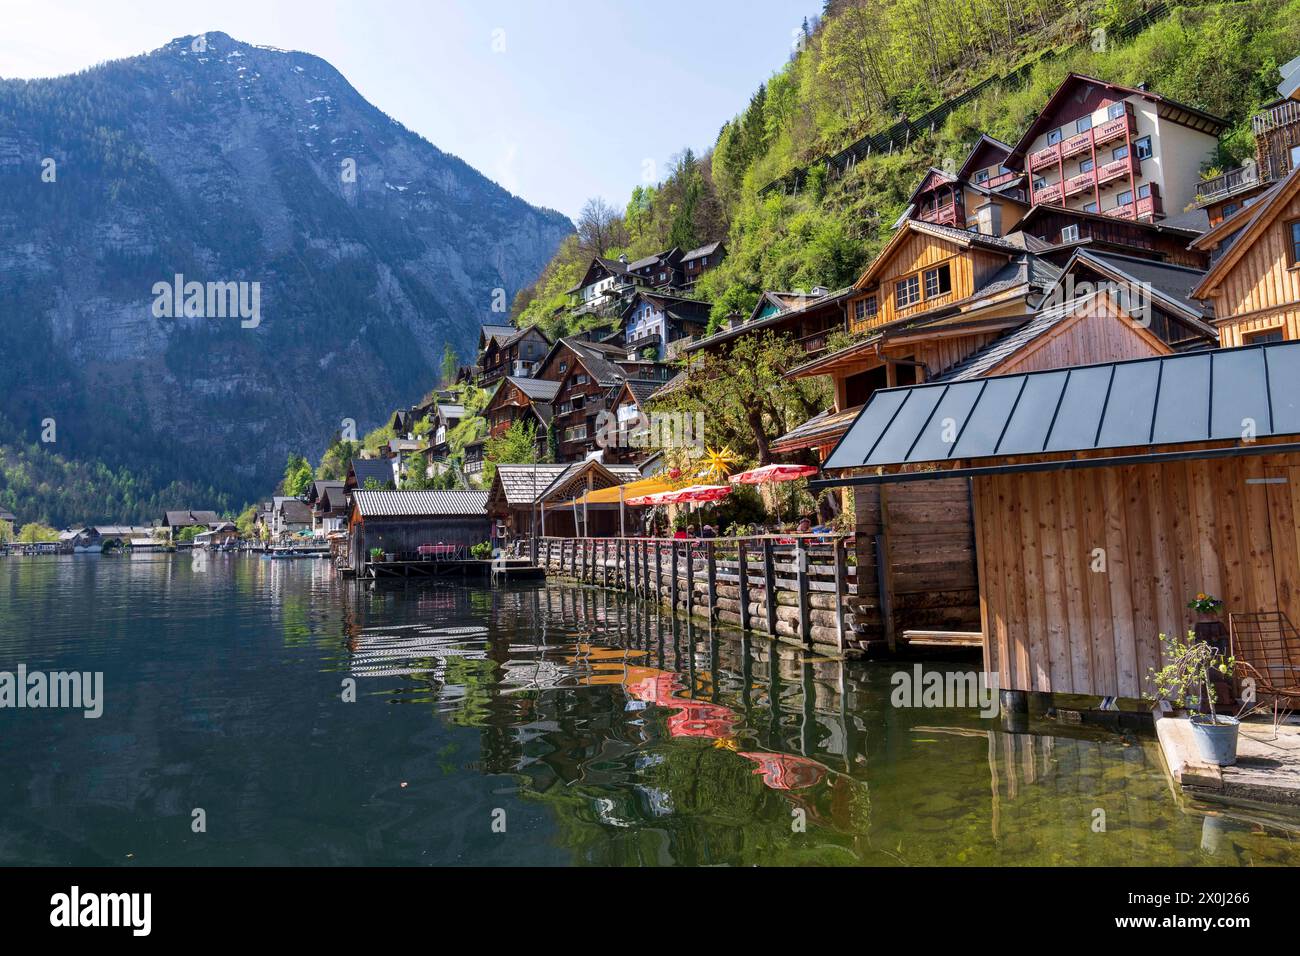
x=1170, y=400
x=420, y=504
x=524, y=484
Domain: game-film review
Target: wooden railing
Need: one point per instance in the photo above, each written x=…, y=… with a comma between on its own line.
x=789, y=586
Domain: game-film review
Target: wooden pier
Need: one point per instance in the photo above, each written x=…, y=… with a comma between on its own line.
x=795, y=588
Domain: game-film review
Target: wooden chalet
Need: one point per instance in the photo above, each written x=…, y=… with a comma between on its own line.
x=1254, y=282
x=984, y=195
x=700, y=260
x=587, y=377
x=402, y=522
x=538, y=499
x=810, y=318
x=329, y=506
x=657, y=325
x=662, y=270
x=1116, y=151
x=1222, y=195
x=522, y=399
x=516, y=355
x=601, y=286
x=1103, y=497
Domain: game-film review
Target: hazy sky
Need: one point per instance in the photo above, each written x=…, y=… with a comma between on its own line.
x=583, y=94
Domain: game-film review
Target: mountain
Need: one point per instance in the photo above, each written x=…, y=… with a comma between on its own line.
x=356, y=248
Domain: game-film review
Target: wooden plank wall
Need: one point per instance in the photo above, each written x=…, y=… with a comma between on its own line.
x=1056, y=620
x=930, y=553
x=1262, y=291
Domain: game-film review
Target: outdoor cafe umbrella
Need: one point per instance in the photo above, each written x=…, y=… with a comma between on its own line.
x=770, y=474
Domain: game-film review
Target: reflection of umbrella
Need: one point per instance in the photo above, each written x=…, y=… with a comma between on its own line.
x=773, y=473
x=786, y=771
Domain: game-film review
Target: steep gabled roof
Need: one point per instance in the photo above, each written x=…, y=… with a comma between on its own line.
x=360, y=470
x=1172, y=285
x=984, y=144
x=536, y=389
x=494, y=333
x=705, y=250
x=960, y=237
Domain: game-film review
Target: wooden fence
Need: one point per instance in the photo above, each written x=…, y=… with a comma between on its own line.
x=792, y=587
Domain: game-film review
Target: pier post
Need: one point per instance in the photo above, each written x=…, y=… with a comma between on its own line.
x=769, y=585
x=690, y=577
x=604, y=563
x=711, y=579
x=659, y=571
x=673, y=586
x=742, y=558
x=1015, y=710
x=840, y=591
x=801, y=583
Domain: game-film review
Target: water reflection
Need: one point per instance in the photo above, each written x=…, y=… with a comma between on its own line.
x=608, y=731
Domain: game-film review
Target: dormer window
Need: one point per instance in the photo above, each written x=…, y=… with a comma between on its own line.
x=1053, y=137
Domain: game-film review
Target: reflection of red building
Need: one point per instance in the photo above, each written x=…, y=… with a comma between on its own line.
x=787, y=772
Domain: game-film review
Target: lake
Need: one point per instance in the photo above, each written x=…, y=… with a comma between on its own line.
x=291, y=717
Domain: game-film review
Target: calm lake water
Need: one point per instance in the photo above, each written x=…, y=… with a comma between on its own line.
x=593, y=729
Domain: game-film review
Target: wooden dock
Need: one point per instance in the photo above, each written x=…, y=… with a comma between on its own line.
x=795, y=588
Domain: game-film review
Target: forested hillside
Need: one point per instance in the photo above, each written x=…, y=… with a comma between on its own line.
x=869, y=63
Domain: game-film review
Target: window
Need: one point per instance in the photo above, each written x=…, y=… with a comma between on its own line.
x=1295, y=243
x=1088, y=207
x=1087, y=166
x=579, y=380
x=865, y=309
x=1143, y=147
x=1119, y=152
x=564, y=367
x=1144, y=191
x=576, y=433
x=982, y=176
x=907, y=292
x=704, y=261
x=1070, y=233
x=938, y=281
x=1053, y=137
x=1083, y=124
x=1229, y=209
x=1264, y=335
x=1115, y=110
x=1124, y=199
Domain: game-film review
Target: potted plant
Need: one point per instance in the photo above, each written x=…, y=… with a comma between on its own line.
x=1207, y=606
x=1186, y=678
x=377, y=555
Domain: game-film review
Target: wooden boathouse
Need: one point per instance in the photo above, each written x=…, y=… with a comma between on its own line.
x=1105, y=497
x=411, y=526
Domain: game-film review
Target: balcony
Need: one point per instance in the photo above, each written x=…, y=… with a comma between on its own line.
x=1284, y=114
x=1085, y=141
x=1228, y=184
x=1086, y=182
x=1147, y=208
x=1000, y=180
x=949, y=214
x=1115, y=169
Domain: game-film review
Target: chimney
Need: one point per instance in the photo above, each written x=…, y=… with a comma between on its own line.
x=622, y=257
x=735, y=320
x=818, y=291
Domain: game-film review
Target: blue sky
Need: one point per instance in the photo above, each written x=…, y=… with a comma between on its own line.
x=557, y=101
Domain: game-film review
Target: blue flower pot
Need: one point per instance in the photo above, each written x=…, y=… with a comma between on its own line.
x=1217, y=742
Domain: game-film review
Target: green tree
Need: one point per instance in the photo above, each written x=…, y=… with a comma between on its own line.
x=297, y=476
x=516, y=446
x=450, y=363
x=36, y=533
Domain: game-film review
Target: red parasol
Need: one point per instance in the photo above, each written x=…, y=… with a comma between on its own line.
x=770, y=473
x=693, y=494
